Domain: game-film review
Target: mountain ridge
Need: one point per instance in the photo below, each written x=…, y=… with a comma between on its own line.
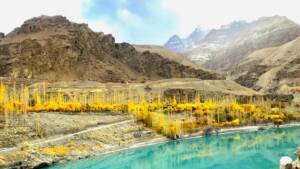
x=55, y=49
x=227, y=46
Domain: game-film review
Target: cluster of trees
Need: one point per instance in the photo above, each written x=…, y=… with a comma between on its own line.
x=166, y=116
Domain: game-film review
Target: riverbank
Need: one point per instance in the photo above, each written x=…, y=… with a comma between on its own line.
x=222, y=131
x=78, y=145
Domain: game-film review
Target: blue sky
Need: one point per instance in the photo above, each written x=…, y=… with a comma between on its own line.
x=146, y=21
x=136, y=21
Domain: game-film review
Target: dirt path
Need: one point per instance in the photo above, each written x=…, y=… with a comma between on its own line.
x=50, y=140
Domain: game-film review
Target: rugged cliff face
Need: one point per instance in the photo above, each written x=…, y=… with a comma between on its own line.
x=272, y=69
x=54, y=49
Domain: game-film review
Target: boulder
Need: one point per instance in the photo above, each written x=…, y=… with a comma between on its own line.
x=286, y=162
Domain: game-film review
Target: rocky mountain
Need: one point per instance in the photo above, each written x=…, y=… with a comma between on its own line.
x=263, y=33
x=270, y=70
x=54, y=49
x=195, y=38
x=215, y=41
x=176, y=44
x=179, y=45
x=224, y=48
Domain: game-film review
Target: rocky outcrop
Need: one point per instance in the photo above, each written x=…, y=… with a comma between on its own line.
x=271, y=70
x=252, y=76
x=54, y=49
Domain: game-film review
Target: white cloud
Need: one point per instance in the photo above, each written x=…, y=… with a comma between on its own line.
x=128, y=17
x=189, y=13
x=100, y=26
x=213, y=13
x=14, y=12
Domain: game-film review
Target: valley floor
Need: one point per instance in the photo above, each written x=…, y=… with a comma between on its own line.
x=33, y=136
x=82, y=136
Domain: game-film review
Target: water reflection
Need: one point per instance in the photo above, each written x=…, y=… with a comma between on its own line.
x=257, y=150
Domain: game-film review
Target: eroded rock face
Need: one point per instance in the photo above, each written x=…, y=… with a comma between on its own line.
x=271, y=70
x=2, y=35
x=53, y=49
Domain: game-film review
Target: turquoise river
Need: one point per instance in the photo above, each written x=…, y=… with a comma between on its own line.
x=248, y=150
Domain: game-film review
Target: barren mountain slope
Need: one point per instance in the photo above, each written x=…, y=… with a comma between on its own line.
x=263, y=33
x=272, y=69
x=224, y=48
x=215, y=41
x=54, y=49
x=166, y=53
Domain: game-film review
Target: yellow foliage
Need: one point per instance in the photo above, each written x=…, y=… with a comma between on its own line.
x=154, y=113
x=57, y=150
x=172, y=129
x=235, y=122
x=295, y=89
x=249, y=107
x=2, y=160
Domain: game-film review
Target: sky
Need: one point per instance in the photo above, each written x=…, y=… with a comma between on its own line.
x=146, y=21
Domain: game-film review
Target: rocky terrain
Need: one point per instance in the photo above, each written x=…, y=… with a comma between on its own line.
x=222, y=49
x=179, y=45
x=55, y=49
x=271, y=70
x=215, y=40
x=68, y=136
x=168, y=54
x=263, y=33
x=262, y=55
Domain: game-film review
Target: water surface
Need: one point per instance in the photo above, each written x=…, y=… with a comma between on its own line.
x=252, y=150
